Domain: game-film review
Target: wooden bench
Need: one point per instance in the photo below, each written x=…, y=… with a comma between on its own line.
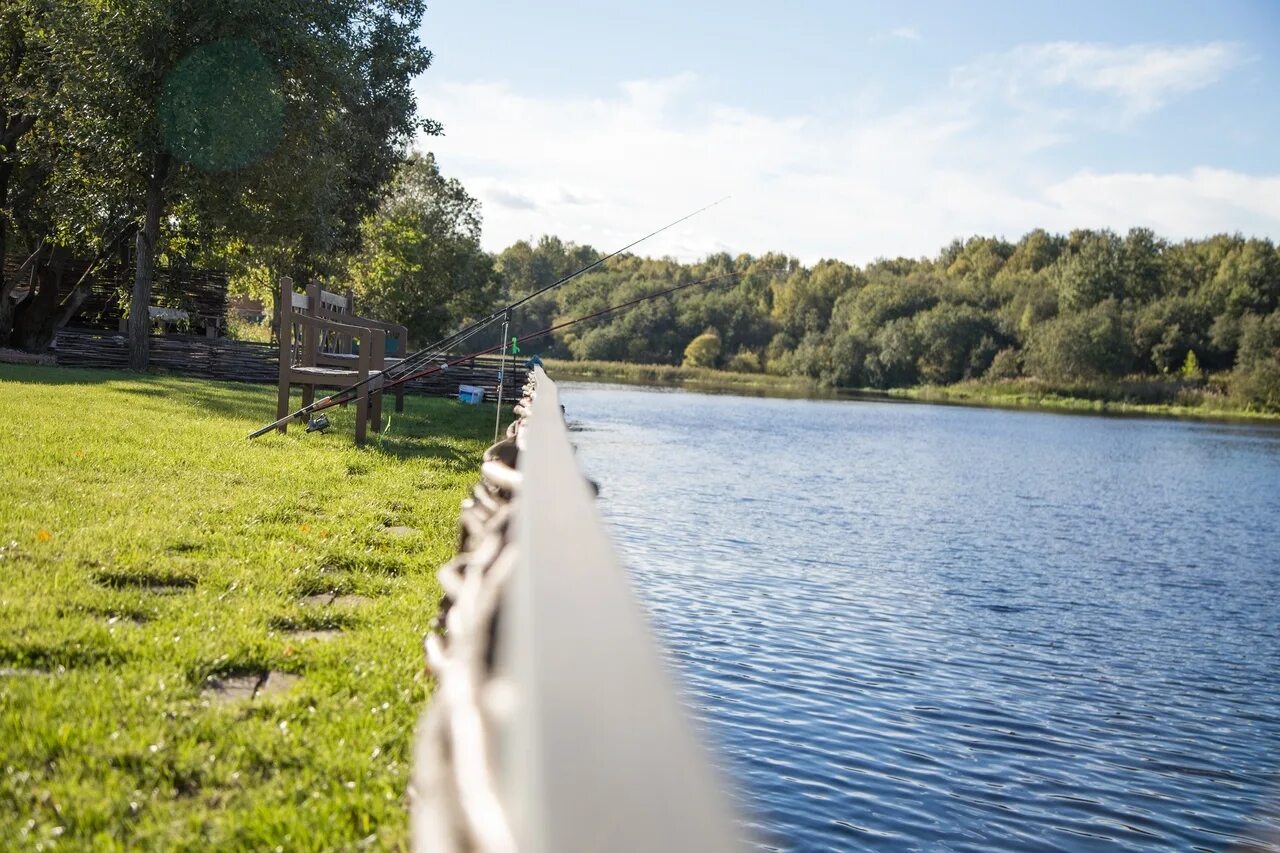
x=336, y=349
x=303, y=328
x=162, y=315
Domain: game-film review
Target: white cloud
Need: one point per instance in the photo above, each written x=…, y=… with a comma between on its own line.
x=1199, y=202
x=899, y=34
x=1140, y=77
x=857, y=185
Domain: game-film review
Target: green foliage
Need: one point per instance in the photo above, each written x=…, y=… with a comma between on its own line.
x=221, y=108
x=1256, y=379
x=1191, y=366
x=1087, y=308
x=957, y=342
x=744, y=361
x=1166, y=330
x=1006, y=364
x=1085, y=345
x=420, y=263
x=245, y=135
x=1092, y=271
x=703, y=351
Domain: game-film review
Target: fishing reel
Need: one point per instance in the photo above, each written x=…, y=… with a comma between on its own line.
x=318, y=423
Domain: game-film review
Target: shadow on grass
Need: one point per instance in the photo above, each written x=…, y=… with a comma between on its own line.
x=147, y=580
x=429, y=428
x=48, y=657
x=407, y=447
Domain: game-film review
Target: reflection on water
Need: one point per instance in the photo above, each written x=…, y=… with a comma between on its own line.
x=929, y=627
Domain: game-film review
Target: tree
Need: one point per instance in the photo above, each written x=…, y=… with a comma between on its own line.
x=28, y=77
x=802, y=301
x=1166, y=330
x=1256, y=378
x=1143, y=264
x=1036, y=251
x=703, y=351
x=214, y=104
x=956, y=341
x=1247, y=279
x=420, y=263
x=1092, y=271
x=1085, y=345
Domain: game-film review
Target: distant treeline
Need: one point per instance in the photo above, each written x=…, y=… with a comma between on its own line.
x=1088, y=306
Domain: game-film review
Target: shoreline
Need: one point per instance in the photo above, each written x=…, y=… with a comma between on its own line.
x=1014, y=395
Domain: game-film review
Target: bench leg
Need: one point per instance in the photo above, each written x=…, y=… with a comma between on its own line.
x=308, y=394
x=362, y=415
x=375, y=410
x=400, y=398
x=282, y=403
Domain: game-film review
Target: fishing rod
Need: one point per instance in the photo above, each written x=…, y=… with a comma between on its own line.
x=542, y=333
x=436, y=348
x=441, y=346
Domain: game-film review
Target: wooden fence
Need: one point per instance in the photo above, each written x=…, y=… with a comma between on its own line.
x=201, y=293
x=245, y=361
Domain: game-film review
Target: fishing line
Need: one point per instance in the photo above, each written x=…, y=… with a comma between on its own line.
x=441, y=346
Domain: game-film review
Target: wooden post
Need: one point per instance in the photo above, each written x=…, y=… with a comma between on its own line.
x=378, y=361
x=311, y=335
x=286, y=354
x=362, y=397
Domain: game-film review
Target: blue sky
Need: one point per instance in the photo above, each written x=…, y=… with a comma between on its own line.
x=856, y=130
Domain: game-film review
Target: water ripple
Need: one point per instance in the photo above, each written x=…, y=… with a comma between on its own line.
x=960, y=629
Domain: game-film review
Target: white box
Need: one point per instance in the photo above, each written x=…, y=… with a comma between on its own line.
x=471, y=393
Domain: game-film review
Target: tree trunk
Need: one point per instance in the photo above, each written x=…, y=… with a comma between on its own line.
x=6, y=286
x=139, y=317
x=33, y=321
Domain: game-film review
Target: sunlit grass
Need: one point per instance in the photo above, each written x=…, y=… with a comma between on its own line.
x=148, y=548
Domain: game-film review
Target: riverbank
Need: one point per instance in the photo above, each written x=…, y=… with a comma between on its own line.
x=675, y=376
x=206, y=641
x=1150, y=396
x=1156, y=397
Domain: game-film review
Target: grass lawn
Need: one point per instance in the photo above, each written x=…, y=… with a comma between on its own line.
x=148, y=553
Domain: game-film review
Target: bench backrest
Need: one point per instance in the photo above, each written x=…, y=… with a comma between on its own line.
x=332, y=306
x=341, y=307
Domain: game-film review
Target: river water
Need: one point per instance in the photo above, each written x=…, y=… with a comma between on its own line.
x=928, y=627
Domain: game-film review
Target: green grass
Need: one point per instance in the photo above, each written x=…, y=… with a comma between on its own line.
x=703, y=378
x=148, y=548
x=1139, y=395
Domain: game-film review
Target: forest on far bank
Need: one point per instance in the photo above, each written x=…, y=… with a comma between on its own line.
x=1088, y=306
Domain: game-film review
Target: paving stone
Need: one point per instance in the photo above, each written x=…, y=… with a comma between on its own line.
x=350, y=601
x=127, y=619
x=324, y=599
x=276, y=683
x=327, y=634
x=165, y=589
x=232, y=688
x=8, y=672
x=400, y=531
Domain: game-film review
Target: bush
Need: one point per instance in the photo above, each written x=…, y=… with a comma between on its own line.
x=703, y=351
x=242, y=330
x=1087, y=345
x=1258, y=387
x=1256, y=378
x=745, y=361
x=1006, y=365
